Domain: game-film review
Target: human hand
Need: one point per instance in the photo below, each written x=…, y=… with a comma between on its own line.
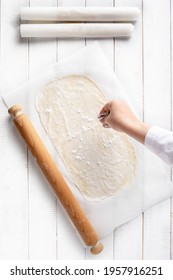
x=118, y=115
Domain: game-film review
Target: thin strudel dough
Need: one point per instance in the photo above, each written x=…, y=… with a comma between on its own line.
x=100, y=161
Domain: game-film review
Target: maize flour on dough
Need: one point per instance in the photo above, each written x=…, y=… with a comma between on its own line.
x=100, y=161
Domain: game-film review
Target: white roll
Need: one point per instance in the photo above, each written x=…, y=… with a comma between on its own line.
x=100, y=14
x=90, y=30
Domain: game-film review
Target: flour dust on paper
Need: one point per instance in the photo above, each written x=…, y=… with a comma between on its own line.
x=100, y=161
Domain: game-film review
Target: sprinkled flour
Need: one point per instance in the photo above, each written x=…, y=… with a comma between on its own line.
x=100, y=161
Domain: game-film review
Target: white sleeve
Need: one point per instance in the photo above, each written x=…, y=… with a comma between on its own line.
x=160, y=142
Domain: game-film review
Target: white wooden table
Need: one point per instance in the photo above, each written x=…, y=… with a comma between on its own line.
x=32, y=224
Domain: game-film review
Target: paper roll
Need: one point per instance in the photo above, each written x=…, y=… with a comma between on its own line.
x=90, y=30
x=101, y=14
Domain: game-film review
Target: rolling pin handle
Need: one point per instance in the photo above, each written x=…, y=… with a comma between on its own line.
x=15, y=110
x=97, y=249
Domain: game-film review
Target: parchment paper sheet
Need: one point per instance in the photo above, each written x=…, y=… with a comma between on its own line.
x=146, y=191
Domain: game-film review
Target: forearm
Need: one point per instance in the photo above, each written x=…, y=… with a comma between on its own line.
x=138, y=131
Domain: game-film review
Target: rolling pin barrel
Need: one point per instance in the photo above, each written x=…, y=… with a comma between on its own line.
x=56, y=180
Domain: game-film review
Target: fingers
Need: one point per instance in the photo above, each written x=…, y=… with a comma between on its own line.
x=106, y=125
x=104, y=110
x=103, y=116
x=105, y=120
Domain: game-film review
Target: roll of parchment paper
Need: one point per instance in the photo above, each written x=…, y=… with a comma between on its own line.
x=89, y=30
x=95, y=14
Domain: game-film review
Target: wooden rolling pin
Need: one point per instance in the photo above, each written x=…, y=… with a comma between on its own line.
x=56, y=180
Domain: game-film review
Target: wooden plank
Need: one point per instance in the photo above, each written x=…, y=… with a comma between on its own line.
x=156, y=34
x=171, y=45
x=128, y=67
x=13, y=164
x=107, y=46
x=68, y=243
x=157, y=232
x=42, y=202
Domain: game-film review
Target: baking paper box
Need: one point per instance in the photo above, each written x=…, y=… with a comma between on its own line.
x=109, y=213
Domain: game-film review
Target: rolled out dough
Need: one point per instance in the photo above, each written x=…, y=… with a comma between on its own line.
x=100, y=161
